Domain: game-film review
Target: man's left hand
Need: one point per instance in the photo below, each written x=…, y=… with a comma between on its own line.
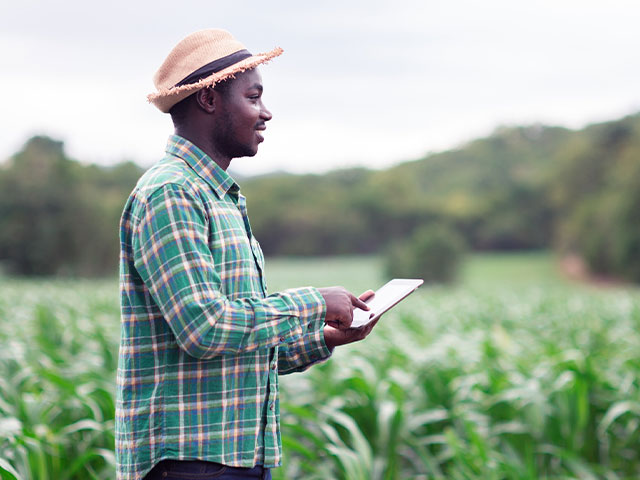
x=334, y=337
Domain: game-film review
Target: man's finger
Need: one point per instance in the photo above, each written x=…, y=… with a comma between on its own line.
x=356, y=302
x=366, y=296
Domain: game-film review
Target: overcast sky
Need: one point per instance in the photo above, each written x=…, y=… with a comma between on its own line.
x=360, y=83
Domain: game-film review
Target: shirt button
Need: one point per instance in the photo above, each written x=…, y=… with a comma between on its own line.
x=273, y=366
x=272, y=407
x=281, y=339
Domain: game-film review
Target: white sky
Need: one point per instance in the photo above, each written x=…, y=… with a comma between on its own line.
x=360, y=83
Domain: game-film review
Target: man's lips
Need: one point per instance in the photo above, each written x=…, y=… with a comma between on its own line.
x=259, y=129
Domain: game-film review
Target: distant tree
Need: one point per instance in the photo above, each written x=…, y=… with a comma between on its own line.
x=433, y=253
x=57, y=216
x=596, y=195
x=519, y=188
x=39, y=200
x=494, y=190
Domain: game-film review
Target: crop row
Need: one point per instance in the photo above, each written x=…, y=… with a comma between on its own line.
x=457, y=384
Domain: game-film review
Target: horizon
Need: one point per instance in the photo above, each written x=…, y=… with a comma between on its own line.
x=424, y=156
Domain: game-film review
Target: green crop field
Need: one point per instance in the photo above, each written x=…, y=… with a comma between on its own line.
x=515, y=373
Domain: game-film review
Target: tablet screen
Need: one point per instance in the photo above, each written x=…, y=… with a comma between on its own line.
x=385, y=298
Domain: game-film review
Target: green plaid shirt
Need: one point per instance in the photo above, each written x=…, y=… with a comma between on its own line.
x=201, y=342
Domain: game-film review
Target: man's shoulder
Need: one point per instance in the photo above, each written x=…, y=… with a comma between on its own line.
x=170, y=171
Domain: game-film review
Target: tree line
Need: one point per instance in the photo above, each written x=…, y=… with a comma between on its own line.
x=527, y=187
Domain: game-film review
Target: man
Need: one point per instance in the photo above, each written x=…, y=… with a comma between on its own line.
x=202, y=342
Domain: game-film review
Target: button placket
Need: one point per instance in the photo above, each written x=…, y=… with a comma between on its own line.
x=256, y=251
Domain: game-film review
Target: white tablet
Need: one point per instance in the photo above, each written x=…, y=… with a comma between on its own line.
x=386, y=297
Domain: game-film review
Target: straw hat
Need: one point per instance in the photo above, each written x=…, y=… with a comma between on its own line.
x=199, y=60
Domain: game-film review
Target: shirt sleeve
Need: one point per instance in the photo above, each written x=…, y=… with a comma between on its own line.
x=300, y=355
x=172, y=257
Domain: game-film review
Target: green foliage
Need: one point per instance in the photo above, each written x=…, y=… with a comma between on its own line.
x=310, y=214
x=596, y=194
x=493, y=190
x=57, y=379
x=485, y=382
x=433, y=253
x=512, y=375
x=519, y=188
x=57, y=216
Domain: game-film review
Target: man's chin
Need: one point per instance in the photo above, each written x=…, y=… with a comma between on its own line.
x=246, y=152
x=251, y=153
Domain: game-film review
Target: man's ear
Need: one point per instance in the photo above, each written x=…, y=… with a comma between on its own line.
x=206, y=99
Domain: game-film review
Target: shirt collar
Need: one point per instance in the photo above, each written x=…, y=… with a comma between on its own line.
x=219, y=180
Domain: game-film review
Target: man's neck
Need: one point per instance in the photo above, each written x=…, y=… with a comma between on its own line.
x=206, y=145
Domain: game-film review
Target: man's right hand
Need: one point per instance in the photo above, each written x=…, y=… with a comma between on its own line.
x=340, y=304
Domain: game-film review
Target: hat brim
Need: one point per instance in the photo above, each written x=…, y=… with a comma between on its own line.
x=166, y=98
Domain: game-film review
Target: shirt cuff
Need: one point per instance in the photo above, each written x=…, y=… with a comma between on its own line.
x=318, y=350
x=311, y=307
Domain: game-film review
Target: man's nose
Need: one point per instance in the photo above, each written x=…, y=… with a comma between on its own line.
x=265, y=114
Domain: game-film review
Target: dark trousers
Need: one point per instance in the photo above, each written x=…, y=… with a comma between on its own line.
x=199, y=470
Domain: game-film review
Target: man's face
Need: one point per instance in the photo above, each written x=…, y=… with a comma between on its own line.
x=241, y=116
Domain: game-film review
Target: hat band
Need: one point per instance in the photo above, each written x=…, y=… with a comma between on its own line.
x=214, y=67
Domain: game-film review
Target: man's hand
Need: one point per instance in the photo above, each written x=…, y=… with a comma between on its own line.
x=334, y=337
x=340, y=303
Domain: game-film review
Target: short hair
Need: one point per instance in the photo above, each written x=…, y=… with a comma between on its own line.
x=222, y=87
x=180, y=110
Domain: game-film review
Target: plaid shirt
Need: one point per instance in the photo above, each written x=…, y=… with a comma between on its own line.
x=201, y=342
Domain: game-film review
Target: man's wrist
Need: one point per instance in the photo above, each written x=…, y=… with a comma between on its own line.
x=328, y=341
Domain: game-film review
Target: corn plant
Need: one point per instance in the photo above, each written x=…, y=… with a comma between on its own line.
x=507, y=376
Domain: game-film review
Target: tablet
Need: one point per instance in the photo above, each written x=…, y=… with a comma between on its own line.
x=386, y=297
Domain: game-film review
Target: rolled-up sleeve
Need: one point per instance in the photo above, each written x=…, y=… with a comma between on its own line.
x=172, y=256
